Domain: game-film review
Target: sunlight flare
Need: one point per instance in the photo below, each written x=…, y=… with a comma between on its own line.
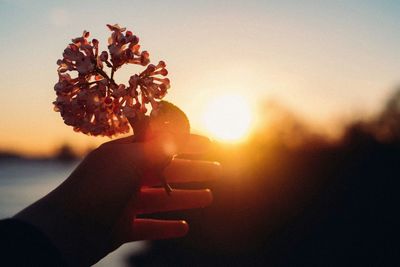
x=228, y=118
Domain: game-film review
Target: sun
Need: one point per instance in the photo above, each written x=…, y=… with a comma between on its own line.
x=228, y=118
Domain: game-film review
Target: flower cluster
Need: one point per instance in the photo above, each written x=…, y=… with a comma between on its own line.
x=90, y=100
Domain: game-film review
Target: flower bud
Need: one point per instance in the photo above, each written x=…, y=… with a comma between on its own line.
x=104, y=56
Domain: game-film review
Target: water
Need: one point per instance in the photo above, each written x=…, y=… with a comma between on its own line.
x=23, y=182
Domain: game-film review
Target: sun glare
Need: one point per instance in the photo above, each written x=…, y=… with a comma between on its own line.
x=228, y=118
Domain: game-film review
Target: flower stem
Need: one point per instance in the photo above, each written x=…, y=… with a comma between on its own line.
x=112, y=74
x=102, y=73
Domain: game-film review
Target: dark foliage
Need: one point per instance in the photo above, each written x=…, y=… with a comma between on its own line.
x=315, y=204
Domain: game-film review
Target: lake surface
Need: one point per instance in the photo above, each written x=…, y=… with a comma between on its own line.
x=22, y=182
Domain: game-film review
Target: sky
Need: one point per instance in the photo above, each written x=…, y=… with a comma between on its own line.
x=326, y=60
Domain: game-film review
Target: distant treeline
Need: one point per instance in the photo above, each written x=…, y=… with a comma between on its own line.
x=64, y=154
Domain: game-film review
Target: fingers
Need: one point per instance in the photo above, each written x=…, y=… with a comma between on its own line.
x=154, y=200
x=196, y=144
x=183, y=171
x=122, y=155
x=149, y=229
x=169, y=145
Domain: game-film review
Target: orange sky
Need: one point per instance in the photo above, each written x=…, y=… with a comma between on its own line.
x=327, y=61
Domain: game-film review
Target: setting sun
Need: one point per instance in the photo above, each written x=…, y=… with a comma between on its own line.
x=228, y=117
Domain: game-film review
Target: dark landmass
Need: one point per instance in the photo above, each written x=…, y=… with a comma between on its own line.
x=64, y=154
x=4, y=155
x=318, y=203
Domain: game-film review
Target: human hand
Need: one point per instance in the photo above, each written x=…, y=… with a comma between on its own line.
x=94, y=211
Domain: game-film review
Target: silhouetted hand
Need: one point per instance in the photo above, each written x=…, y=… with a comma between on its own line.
x=94, y=211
